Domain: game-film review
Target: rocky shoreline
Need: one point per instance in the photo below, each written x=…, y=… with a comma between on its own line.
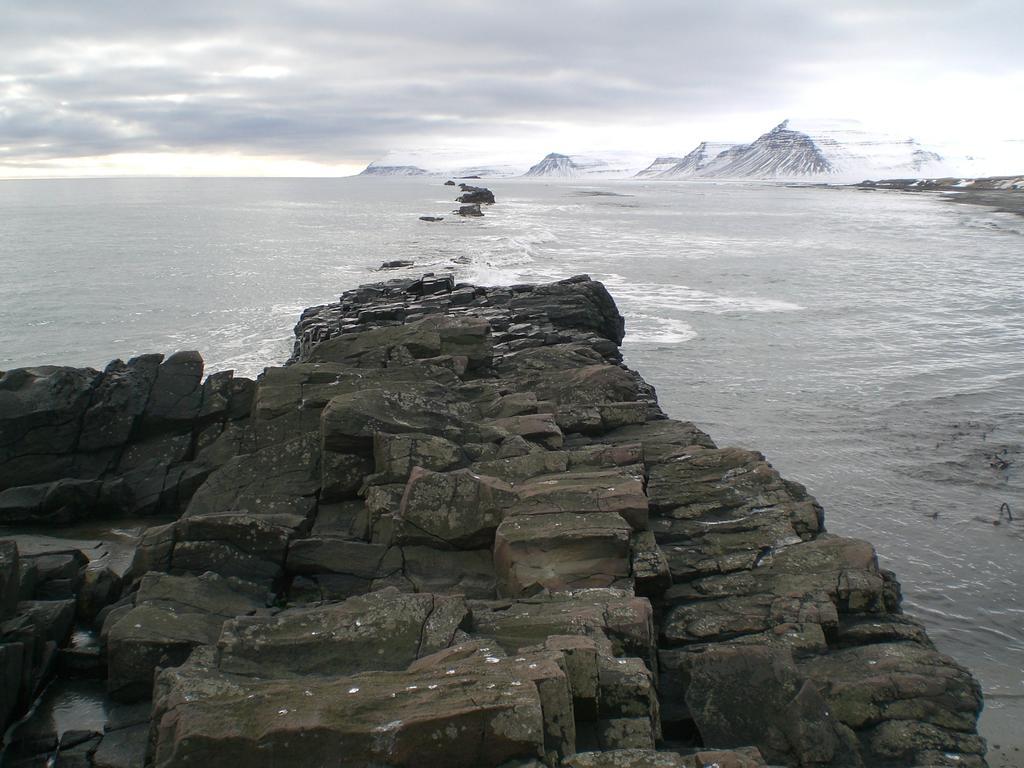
x=1004, y=194
x=453, y=530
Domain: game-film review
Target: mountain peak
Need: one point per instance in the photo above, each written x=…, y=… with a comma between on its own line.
x=555, y=164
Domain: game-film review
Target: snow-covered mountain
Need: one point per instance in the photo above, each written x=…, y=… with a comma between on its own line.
x=782, y=152
x=698, y=158
x=554, y=164
x=608, y=165
x=659, y=166
x=828, y=151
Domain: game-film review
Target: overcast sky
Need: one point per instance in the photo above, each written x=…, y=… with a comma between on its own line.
x=323, y=87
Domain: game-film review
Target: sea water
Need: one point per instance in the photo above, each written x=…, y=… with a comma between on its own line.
x=871, y=344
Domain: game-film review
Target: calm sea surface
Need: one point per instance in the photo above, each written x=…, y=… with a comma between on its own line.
x=870, y=344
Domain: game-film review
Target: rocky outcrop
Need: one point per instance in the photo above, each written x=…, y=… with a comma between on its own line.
x=78, y=443
x=454, y=529
x=471, y=194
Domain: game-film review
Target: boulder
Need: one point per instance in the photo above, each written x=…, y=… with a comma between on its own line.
x=452, y=510
x=395, y=456
x=172, y=615
x=473, y=209
x=281, y=479
x=479, y=720
x=381, y=630
x=41, y=411
x=540, y=428
x=791, y=724
x=58, y=502
x=471, y=194
x=883, y=681
x=177, y=394
x=341, y=567
x=400, y=263
x=619, y=490
x=611, y=615
x=350, y=421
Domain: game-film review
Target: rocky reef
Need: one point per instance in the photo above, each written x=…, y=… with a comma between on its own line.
x=454, y=529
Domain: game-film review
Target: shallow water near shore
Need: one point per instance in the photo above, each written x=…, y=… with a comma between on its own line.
x=870, y=344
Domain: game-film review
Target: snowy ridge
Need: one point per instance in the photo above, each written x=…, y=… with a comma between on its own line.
x=659, y=166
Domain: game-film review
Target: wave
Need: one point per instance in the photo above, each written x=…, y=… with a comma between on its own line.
x=681, y=298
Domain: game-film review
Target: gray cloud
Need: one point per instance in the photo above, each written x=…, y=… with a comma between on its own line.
x=358, y=78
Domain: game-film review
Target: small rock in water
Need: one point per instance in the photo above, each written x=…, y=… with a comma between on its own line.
x=431, y=218
x=397, y=264
x=449, y=183
x=470, y=210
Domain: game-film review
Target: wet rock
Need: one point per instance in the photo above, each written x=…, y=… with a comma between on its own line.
x=401, y=263
x=429, y=218
x=473, y=209
x=449, y=183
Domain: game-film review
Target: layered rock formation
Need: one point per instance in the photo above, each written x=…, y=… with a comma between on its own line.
x=454, y=529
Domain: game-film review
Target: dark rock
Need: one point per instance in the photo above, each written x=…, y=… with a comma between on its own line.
x=177, y=394
x=58, y=502
x=401, y=263
x=449, y=183
x=471, y=194
x=472, y=209
x=10, y=583
x=100, y=587
x=791, y=723
x=383, y=630
x=40, y=413
x=123, y=748
x=452, y=510
x=172, y=615
x=429, y=218
x=476, y=720
x=278, y=480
